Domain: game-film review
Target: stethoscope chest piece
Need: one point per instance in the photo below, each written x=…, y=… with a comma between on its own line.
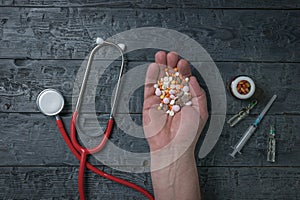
x=50, y=102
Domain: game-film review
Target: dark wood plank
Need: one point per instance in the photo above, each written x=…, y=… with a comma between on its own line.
x=275, y=4
x=249, y=183
x=227, y=35
x=23, y=80
x=32, y=139
x=61, y=183
x=216, y=183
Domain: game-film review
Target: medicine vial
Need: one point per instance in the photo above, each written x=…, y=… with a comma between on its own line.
x=242, y=87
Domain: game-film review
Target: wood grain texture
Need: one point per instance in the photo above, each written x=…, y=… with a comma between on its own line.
x=33, y=139
x=217, y=183
x=275, y=4
x=61, y=183
x=227, y=35
x=249, y=183
x=23, y=80
x=43, y=44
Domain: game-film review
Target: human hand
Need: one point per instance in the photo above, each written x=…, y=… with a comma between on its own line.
x=170, y=137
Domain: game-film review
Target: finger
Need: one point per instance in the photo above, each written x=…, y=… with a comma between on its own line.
x=199, y=96
x=161, y=57
x=172, y=59
x=184, y=67
x=151, y=78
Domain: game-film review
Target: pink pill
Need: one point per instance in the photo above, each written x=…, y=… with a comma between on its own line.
x=157, y=92
x=186, y=88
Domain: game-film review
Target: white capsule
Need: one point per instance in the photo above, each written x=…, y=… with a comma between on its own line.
x=189, y=103
x=166, y=100
x=157, y=92
x=176, y=108
x=172, y=86
x=172, y=102
x=171, y=113
x=155, y=85
x=187, y=79
x=161, y=105
x=170, y=79
x=186, y=88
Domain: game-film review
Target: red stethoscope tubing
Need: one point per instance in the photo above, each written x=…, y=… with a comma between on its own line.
x=84, y=152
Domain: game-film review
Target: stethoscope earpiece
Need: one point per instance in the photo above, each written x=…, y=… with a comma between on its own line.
x=122, y=46
x=50, y=102
x=99, y=40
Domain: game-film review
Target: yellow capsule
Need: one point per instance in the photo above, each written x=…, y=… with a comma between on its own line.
x=162, y=96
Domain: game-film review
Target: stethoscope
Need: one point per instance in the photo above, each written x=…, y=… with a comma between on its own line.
x=51, y=102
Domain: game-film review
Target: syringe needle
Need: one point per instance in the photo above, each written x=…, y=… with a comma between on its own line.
x=238, y=147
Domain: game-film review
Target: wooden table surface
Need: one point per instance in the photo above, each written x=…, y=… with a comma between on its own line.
x=43, y=44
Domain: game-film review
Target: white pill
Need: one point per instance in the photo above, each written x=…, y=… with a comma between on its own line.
x=176, y=108
x=189, y=103
x=170, y=79
x=157, y=92
x=172, y=86
x=166, y=100
x=186, y=88
x=172, y=96
x=177, y=87
x=171, y=113
x=166, y=79
x=172, y=91
x=177, y=74
x=172, y=102
x=155, y=86
x=187, y=79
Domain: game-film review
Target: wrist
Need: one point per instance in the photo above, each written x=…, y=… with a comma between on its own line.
x=170, y=158
x=169, y=181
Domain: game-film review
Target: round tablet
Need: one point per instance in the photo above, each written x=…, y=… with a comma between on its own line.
x=50, y=102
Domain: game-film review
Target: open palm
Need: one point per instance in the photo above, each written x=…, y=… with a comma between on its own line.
x=177, y=134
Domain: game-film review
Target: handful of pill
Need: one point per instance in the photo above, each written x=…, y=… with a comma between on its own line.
x=174, y=91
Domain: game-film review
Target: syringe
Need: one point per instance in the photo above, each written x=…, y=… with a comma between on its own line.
x=237, y=148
